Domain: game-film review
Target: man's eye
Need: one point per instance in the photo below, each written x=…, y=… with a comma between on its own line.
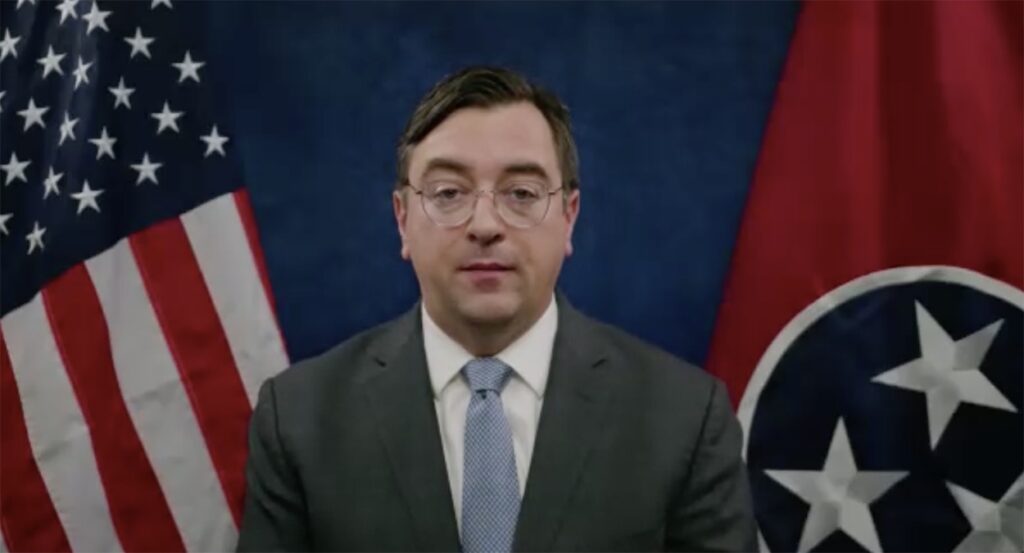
x=447, y=194
x=524, y=194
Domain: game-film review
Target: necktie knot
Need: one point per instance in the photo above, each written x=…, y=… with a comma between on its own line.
x=487, y=373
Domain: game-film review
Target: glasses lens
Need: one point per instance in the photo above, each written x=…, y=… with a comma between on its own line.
x=447, y=204
x=523, y=204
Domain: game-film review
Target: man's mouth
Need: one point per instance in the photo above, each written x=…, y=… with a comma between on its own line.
x=485, y=266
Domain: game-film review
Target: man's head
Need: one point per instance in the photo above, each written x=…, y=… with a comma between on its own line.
x=483, y=264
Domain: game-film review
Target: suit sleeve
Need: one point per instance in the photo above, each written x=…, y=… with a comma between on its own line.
x=713, y=510
x=274, y=518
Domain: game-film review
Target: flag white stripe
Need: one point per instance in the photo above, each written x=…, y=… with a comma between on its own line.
x=229, y=270
x=57, y=430
x=158, y=404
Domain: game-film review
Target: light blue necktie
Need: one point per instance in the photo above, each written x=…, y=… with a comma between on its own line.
x=490, y=486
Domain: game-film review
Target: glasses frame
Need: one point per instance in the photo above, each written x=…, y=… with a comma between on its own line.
x=494, y=203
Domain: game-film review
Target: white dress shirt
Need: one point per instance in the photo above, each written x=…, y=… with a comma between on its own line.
x=530, y=359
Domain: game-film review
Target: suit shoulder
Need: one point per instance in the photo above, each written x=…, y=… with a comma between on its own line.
x=334, y=366
x=648, y=362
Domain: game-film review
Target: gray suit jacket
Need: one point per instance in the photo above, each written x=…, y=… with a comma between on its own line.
x=635, y=450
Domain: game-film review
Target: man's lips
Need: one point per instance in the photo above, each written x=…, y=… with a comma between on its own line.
x=486, y=275
x=485, y=266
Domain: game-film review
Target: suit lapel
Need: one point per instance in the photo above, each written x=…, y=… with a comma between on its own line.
x=574, y=405
x=399, y=396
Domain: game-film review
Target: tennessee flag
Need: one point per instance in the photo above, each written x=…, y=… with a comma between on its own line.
x=871, y=326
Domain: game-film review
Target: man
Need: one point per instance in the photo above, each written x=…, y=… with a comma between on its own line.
x=493, y=416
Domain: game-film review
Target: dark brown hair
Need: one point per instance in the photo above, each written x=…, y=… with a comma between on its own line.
x=485, y=87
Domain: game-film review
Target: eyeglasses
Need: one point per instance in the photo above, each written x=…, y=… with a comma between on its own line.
x=520, y=204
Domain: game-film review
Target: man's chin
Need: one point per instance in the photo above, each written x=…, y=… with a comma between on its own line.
x=489, y=309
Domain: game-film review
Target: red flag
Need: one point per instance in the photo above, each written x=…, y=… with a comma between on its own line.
x=892, y=162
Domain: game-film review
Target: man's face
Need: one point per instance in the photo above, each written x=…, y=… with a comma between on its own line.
x=486, y=272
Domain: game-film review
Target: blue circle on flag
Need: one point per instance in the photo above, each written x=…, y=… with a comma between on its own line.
x=926, y=378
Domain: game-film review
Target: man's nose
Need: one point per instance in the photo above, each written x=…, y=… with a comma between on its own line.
x=485, y=226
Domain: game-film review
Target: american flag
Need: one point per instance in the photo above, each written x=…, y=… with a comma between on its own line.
x=137, y=322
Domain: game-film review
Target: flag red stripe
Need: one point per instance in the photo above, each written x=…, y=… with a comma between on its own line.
x=244, y=206
x=138, y=509
x=197, y=342
x=27, y=515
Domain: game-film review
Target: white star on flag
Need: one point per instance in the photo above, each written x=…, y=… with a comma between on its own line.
x=146, y=169
x=104, y=144
x=995, y=525
x=948, y=372
x=96, y=19
x=167, y=119
x=67, y=129
x=214, y=142
x=80, y=72
x=50, y=184
x=7, y=45
x=67, y=9
x=161, y=2
x=121, y=94
x=189, y=69
x=839, y=495
x=2, y=93
x=33, y=115
x=35, y=238
x=140, y=44
x=51, y=62
x=20, y=2
x=4, y=217
x=15, y=169
x=87, y=198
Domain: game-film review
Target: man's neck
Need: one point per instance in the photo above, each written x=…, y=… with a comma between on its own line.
x=485, y=340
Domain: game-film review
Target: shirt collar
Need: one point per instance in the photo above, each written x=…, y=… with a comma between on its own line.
x=529, y=355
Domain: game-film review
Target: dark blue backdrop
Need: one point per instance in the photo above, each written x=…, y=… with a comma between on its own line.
x=669, y=101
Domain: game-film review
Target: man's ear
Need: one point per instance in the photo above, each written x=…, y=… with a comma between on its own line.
x=398, y=201
x=571, y=211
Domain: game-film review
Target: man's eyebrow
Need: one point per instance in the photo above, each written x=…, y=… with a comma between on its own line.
x=516, y=168
x=446, y=164
x=526, y=168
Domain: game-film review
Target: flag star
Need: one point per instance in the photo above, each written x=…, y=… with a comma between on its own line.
x=121, y=94
x=33, y=115
x=139, y=43
x=87, y=198
x=4, y=217
x=839, y=495
x=35, y=238
x=214, y=142
x=2, y=94
x=51, y=62
x=161, y=2
x=80, y=72
x=20, y=2
x=104, y=144
x=15, y=169
x=96, y=19
x=50, y=184
x=67, y=129
x=189, y=69
x=7, y=45
x=995, y=525
x=948, y=372
x=147, y=170
x=67, y=8
x=167, y=119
